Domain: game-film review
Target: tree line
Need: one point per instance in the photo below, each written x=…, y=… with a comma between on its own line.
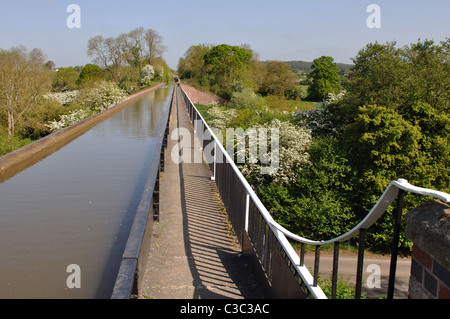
x=36, y=98
x=223, y=69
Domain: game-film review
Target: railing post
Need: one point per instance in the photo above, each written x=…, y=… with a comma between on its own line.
x=213, y=178
x=335, y=270
x=302, y=254
x=247, y=210
x=395, y=240
x=359, y=271
x=316, y=266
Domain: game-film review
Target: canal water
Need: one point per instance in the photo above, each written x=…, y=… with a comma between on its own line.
x=77, y=207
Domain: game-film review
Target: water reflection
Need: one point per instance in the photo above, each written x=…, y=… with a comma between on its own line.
x=76, y=207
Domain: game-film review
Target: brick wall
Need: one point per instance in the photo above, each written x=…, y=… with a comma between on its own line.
x=428, y=227
x=429, y=279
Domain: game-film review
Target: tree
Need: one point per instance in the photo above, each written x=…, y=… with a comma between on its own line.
x=429, y=73
x=325, y=78
x=396, y=78
x=192, y=65
x=225, y=64
x=107, y=53
x=23, y=78
x=226, y=58
x=50, y=65
x=278, y=78
x=65, y=79
x=90, y=71
x=134, y=50
x=154, y=45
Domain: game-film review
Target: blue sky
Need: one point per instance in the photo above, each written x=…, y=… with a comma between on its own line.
x=277, y=30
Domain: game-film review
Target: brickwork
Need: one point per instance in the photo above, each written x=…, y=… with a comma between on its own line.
x=428, y=227
x=199, y=97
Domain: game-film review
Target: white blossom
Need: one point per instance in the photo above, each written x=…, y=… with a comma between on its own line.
x=293, y=146
x=63, y=98
x=220, y=119
x=68, y=119
x=147, y=73
x=292, y=151
x=102, y=97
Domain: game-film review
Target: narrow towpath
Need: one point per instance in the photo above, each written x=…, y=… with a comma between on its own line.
x=193, y=253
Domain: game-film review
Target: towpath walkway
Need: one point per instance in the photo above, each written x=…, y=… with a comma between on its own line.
x=193, y=254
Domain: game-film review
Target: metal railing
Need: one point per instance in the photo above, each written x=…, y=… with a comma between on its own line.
x=279, y=267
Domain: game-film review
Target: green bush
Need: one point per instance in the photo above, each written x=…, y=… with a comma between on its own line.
x=317, y=205
x=11, y=143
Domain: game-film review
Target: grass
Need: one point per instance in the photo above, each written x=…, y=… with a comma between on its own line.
x=204, y=108
x=9, y=144
x=345, y=248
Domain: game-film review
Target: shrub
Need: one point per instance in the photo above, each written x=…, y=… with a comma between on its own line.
x=220, y=119
x=147, y=74
x=293, y=145
x=247, y=99
x=317, y=204
x=68, y=119
x=63, y=98
x=102, y=96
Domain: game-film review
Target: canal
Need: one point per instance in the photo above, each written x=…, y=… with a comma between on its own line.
x=77, y=206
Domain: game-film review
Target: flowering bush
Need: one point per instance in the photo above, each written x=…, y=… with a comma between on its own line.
x=63, y=98
x=292, y=152
x=102, y=97
x=96, y=100
x=220, y=119
x=334, y=97
x=68, y=119
x=147, y=74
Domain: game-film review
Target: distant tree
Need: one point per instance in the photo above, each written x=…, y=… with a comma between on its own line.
x=134, y=49
x=192, y=65
x=226, y=64
x=23, y=78
x=90, y=71
x=50, y=65
x=65, y=79
x=325, y=78
x=226, y=58
x=154, y=45
x=278, y=78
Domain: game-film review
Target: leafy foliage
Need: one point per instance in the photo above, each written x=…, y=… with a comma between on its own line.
x=225, y=69
x=392, y=122
x=90, y=72
x=325, y=78
x=316, y=205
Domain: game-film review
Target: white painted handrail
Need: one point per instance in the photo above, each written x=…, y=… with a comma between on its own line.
x=377, y=211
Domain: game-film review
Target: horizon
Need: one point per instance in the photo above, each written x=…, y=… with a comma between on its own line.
x=285, y=30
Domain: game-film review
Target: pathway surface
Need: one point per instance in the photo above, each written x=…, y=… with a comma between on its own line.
x=193, y=253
